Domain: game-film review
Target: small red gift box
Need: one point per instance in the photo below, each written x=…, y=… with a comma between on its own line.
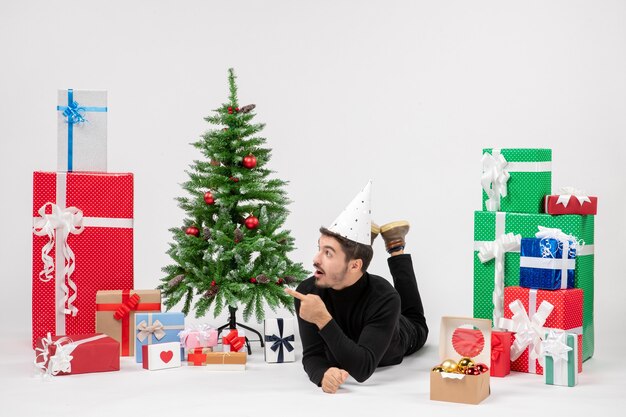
x=500, y=353
x=566, y=314
x=82, y=243
x=77, y=354
x=570, y=201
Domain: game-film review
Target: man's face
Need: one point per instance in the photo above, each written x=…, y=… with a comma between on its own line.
x=330, y=264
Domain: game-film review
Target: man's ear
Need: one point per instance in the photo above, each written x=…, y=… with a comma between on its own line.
x=356, y=264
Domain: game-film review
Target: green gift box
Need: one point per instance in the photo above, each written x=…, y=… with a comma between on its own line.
x=516, y=180
x=490, y=225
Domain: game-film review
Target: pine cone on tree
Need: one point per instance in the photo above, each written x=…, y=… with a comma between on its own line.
x=210, y=293
x=176, y=280
x=238, y=235
x=289, y=280
x=262, y=279
x=247, y=109
x=206, y=233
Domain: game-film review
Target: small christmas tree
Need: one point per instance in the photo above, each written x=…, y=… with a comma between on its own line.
x=231, y=250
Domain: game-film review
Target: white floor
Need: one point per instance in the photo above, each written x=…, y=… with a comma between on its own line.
x=284, y=390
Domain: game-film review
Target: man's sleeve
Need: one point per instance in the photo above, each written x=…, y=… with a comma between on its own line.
x=361, y=359
x=313, y=354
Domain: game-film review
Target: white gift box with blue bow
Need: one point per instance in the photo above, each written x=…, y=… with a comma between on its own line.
x=279, y=339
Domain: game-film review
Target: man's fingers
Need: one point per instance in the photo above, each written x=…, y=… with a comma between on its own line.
x=344, y=375
x=295, y=294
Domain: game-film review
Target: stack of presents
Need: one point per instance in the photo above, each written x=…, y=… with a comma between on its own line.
x=86, y=313
x=533, y=280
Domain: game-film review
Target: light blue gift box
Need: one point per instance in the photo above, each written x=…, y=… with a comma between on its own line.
x=154, y=328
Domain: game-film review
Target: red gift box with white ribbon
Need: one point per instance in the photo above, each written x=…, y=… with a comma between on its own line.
x=571, y=201
x=82, y=243
x=530, y=313
x=77, y=354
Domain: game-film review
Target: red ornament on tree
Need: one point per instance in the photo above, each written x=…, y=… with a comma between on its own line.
x=251, y=222
x=249, y=161
x=253, y=280
x=234, y=179
x=237, y=109
x=192, y=231
x=230, y=110
x=208, y=198
x=213, y=283
x=280, y=281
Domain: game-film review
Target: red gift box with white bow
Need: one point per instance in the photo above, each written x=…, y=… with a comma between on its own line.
x=82, y=243
x=530, y=313
x=571, y=201
x=77, y=354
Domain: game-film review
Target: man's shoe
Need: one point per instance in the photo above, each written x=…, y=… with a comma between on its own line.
x=393, y=234
x=375, y=231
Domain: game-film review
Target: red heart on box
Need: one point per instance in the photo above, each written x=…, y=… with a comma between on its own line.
x=167, y=356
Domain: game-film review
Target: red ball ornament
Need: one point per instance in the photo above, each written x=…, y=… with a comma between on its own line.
x=230, y=110
x=213, y=283
x=482, y=368
x=208, y=198
x=253, y=280
x=251, y=222
x=192, y=231
x=280, y=281
x=249, y=161
x=237, y=109
x=234, y=179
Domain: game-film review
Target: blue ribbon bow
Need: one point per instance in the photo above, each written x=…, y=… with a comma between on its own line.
x=74, y=114
x=279, y=341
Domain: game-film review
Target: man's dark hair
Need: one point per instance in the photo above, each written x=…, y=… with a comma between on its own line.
x=352, y=249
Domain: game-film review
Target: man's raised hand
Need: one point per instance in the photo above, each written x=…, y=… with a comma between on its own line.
x=312, y=308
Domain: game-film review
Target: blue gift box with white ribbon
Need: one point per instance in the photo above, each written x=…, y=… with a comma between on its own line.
x=279, y=339
x=155, y=328
x=547, y=264
x=82, y=130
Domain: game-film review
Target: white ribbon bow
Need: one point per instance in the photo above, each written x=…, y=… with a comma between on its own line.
x=555, y=345
x=202, y=333
x=61, y=222
x=566, y=193
x=61, y=361
x=528, y=332
x=495, y=250
x=494, y=178
x=156, y=329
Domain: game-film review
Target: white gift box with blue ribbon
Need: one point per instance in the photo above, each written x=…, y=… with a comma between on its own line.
x=547, y=262
x=82, y=130
x=279, y=339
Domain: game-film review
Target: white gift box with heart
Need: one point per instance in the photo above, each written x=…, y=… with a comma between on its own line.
x=161, y=356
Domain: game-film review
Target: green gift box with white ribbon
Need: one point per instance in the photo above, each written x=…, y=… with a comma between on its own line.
x=560, y=351
x=496, y=241
x=516, y=180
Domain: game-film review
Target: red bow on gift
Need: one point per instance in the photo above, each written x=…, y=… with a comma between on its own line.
x=126, y=307
x=496, y=349
x=235, y=341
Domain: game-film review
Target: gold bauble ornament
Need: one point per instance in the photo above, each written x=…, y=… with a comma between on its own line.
x=438, y=369
x=449, y=365
x=465, y=363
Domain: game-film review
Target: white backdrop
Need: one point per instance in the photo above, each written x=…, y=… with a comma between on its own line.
x=405, y=93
